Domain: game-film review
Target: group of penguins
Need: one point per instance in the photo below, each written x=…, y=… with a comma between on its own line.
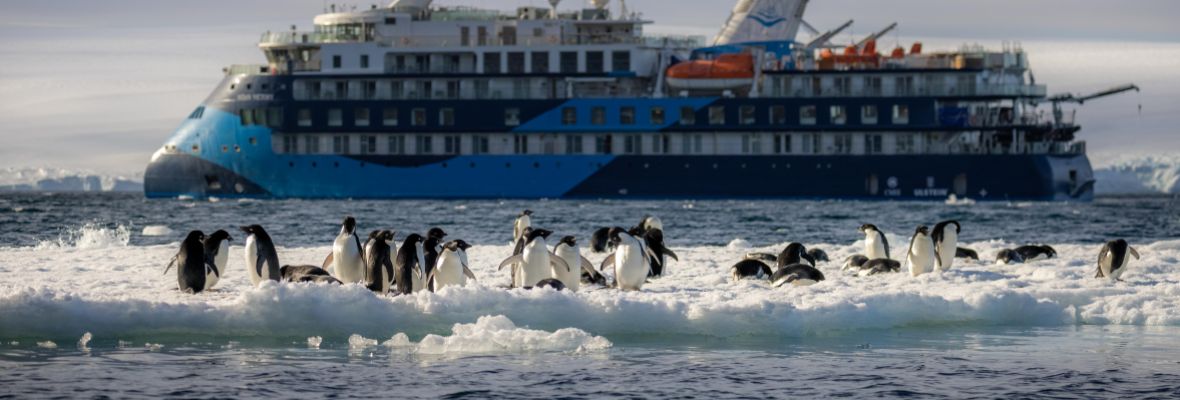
x=427, y=262
x=930, y=250
x=635, y=256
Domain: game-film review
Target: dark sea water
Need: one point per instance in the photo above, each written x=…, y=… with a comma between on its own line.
x=926, y=361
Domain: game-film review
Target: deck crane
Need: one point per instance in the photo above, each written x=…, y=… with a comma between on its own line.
x=861, y=44
x=1082, y=99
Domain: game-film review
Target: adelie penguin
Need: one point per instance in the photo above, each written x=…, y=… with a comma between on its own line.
x=192, y=269
x=1036, y=252
x=346, y=261
x=451, y=268
x=946, y=243
x=261, y=258
x=524, y=220
x=876, y=246
x=600, y=241
x=754, y=266
x=431, y=247
x=1009, y=256
x=408, y=276
x=378, y=265
x=920, y=255
x=567, y=250
x=818, y=255
x=966, y=253
x=653, y=238
x=535, y=261
x=796, y=275
x=217, y=252
x=307, y=274
x=1114, y=259
x=629, y=261
x=794, y=253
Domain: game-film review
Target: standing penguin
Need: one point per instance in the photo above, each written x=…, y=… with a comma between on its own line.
x=567, y=250
x=217, y=253
x=946, y=244
x=191, y=266
x=535, y=261
x=261, y=258
x=794, y=253
x=451, y=268
x=654, y=240
x=407, y=273
x=600, y=240
x=876, y=246
x=430, y=248
x=1114, y=258
x=630, y=260
x=524, y=220
x=347, y=260
x=921, y=255
x=379, y=267
x=646, y=224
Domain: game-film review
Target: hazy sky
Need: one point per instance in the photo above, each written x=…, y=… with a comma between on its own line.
x=100, y=84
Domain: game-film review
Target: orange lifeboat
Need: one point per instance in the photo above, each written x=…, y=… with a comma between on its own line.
x=727, y=71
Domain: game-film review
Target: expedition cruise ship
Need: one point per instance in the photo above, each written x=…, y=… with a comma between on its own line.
x=414, y=100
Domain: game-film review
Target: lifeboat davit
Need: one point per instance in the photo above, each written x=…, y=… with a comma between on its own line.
x=727, y=71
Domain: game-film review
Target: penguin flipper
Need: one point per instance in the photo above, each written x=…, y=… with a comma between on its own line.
x=668, y=252
x=1134, y=253
x=467, y=271
x=610, y=260
x=587, y=267
x=519, y=258
x=212, y=267
x=171, y=263
x=328, y=261
x=556, y=261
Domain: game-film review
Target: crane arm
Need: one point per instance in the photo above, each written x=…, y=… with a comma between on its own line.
x=827, y=36
x=877, y=35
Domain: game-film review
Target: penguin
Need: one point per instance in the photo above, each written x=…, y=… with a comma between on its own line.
x=946, y=243
x=217, y=253
x=854, y=262
x=648, y=223
x=751, y=268
x=378, y=264
x=1009, y=256
x=876, y=246
x=818, y=255
x=523, y=220
x=794, y=253
x=1036, y=252
x=878, y=266
x=966, y=253
x=535, y=261
x=629, y=260
x=407, y=272
x=261, y=258
x=920, y=255
x=347, y=259
x=653, y=238
x=567, y=249
x=518, y=249
x=796, y=275
x=431, y=247
x=551, y=283
x=600, y=241
x=191, y=266
x=307, y=273
x=451, y=268
x=1114, y=259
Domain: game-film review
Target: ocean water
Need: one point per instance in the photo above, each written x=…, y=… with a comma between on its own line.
x=85, y=310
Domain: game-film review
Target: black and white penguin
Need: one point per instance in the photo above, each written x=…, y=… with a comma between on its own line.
x=1009, y=256
x=818, y=255
x=378, y=266
x=646, y=224
x=216, y=252
x=653, y=238
x=876, y=246
x=307, y=273
x=796, y=275
x=346, y=261
x=966, y=253
x=261, y=258
x=629, y=260
x=551, y=283
x=1036, y=252
x=191, y=266
x=794, y=253
x=451, y=268
x=523, y=220
x=408, y=276
x=756, y=267
x=600, y=241
x=430, y=248
x=946, y=243
x=1114, y=259
x=535, y=262
x=854, y=262
x=567, y=249
x=920, y=255
x=879, y=266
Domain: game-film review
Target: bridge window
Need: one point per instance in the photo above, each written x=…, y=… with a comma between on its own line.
x=905, y=143
x=520, y=144
x=336, y=62
x=901, y=114
x=782, y=144
x=657, y=115
x=873, y=144
x=275, y=117
x=423, y=144
x=361, y=117
x=632, y=144
x=446, y=117
x=397, y=144
x=389, y=117
x=311, y=144
x=569, y=62
x=868, y=115
x=369, y=144
x=365, y=61
x=451, y=144
x=778, y=115
x=747, y=115
x=569, y=116
x=516, y=62
x=620, y=61
x=717, y=115
x=491, y=63
x=688, y=116
x=335, y=117
x=341, y=144
x=540, y=62
x=246, y=117
x=807, y=115
x=479, y=144
x=603, y=144
x=627, y=115
x=843, y=143
x=595, y=62
x=598, y=115
x=661, y=144
x=512, y=117
x=418, y=117
x=573, y=144
x=838, y=115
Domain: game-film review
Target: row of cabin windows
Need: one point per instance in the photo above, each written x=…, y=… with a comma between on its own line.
x=747, y=115
x=632, y=144
x=362, y=117
x=272, y=117
x=539, y=62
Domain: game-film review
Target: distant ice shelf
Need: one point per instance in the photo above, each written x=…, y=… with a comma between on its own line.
x=31, y=179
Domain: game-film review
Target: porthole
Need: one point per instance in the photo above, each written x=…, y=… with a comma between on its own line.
x=536, y=165
x=313, y=164
x=253, y=141
x=224, y=149
x=291, y=164
x=237, y=149
x=472, y=165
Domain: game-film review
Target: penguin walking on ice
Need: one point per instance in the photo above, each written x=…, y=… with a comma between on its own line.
x=408, y=276
x=535, y=261
x=567, y=249
x=630, y=260
x=920, y=255
x=653, y=239
x=216, y=252
x=524, y=220
x=261, y=258
x=946, y=244
x=876, y=246
x=346, y=261
x=430, y=248
x=378, y=266
x=451, y=269
x=192, y=269
x=1114, y=259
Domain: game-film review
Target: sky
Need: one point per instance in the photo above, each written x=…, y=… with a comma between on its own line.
x=99, y=85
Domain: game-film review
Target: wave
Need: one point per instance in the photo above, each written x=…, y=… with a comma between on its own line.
x=90, y=236
x=1159, y=174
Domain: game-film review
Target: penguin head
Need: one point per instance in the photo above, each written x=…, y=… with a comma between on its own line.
x=386, y=235
x=569, y=241
x=253, y=229
x=525, y=213
x=348, y=226
x=637, y=231
x=615, y=235
x=195, y=236
x=655, y=235
x=958, y=228
x=1053, y=253
x=413, y=240
x=456, y=245
x=924, y=230
x=793, y=251
x=866, y=228
x=375, y=233
x=436, y=233
x=219, y=236
x=539, y=233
